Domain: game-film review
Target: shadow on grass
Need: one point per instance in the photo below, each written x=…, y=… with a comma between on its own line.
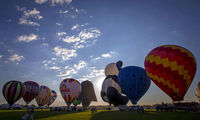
x=39, y=114
x=46, y=114
x=149, y=115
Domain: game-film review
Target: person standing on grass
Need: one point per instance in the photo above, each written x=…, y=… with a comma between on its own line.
x=32, y=114
x=26, y=115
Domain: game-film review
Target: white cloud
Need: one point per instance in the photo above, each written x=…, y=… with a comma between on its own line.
x=64, y=53
x=53, y=2
x=94, y=72
x=10, y=51
x=59, y=34
x=27, y=38
x=54, y=68
x=41, y=1
x=85, y=38
x=16, y=57
x=20, y=9
x=45, y=44
x=75, y=27
x=29, y=14
x=78, y=45
x=33, y=13
x=107, y=55
x=60, y=2
x=71, y=39
x=59, y=24
x=97, y=58
x=63, y=11
x=85, y=34
x=80, y=65
x=48, y=63
x=27, y=22
x=67, y=72
x=1, y=56
x=54, y=59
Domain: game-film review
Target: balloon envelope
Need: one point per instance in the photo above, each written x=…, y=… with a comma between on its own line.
x=70, y=89
x=111, y=69
x=52, y=97
x=115, y=97
x=134, y=82
x=172, y=68
x=111, y=91
x=43, y=96
x=109, y=82
x=13, y=91
x=198, y=91
x=32, y=90
x=76, y=102
x=87, y=93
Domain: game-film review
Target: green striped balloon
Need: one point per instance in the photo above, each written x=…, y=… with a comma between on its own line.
x=13, y=91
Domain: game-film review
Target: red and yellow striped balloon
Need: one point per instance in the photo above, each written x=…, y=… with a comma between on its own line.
x=13, y=91
x=172, y=68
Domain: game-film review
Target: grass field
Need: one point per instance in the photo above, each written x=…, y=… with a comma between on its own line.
x=101, y=115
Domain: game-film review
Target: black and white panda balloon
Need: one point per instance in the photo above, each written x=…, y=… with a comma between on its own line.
x=111, y=91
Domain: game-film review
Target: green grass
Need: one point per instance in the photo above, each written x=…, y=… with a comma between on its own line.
x=101, y=115
x=149, y=115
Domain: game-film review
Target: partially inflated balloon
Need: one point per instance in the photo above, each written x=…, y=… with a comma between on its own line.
x=111, y=69
x=111, y=91
x=134, y=82
x=52, y=97
x=32, y=90
x=76, y=102
x=172, y=68
x=115, y=97
x=198, y=91
x=109, y=82
x=87, y=93
x=43, y=96
x=70, y=89
x=13, y=91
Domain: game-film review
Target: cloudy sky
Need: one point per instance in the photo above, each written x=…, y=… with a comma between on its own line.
x=49, y=40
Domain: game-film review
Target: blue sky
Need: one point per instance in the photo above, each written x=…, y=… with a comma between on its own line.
x=49, y=40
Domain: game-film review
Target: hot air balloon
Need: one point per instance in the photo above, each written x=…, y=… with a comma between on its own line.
x=32, y=90
x=172, y=68
x=111, y=69
x=111, y=91
x=52, y=97
x=70, y=89
x=134, y=82
x=13, y=91
x=87, y=93
x=43, y=96
x=76, y=102
x=198, y=91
